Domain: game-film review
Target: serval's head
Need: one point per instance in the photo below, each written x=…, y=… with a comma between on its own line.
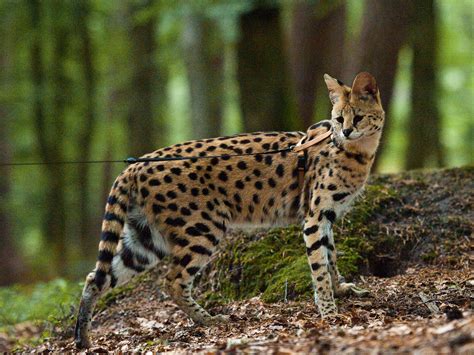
x=357, y=112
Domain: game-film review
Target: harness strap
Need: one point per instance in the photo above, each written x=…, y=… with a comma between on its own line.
x=301, y=150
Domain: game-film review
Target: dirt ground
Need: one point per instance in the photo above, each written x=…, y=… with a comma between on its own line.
x=424, y=305
x=425, y=310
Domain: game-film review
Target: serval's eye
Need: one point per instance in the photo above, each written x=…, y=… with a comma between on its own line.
x=357, y=119
x=340, y=119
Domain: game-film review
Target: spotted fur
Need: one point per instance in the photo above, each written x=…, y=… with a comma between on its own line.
x=183, y=208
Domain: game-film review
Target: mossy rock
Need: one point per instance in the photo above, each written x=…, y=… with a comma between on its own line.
x=399, y=219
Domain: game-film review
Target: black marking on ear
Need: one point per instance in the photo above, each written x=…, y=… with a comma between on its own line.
x=340, y=82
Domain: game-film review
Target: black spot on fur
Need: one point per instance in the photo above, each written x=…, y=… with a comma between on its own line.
x=185, y=260
x=200, y=250
x=192, y=270
x=154, y=182
x=185, y=211
x=223, y=176
x=144, y=192
x=175, y=222
x=176, y=171
x=280, y=170
x=330, y=215
x=311, y=230
x=242, y=165
x=339, y=196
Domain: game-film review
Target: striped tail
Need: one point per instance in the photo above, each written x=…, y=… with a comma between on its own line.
x=112, y=226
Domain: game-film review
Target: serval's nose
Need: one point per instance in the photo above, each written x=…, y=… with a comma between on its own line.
x=347, y=132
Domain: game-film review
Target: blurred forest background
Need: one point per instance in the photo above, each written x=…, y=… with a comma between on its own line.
x=101, y=80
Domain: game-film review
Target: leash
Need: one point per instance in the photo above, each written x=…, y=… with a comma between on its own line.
x=132, y=160
x=300, y=148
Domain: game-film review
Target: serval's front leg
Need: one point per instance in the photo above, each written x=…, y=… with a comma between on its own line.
x=339, y=286
x=319, y=245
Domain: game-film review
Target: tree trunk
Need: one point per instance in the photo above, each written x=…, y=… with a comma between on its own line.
x=261, y=71
x=424, y=145
x=56, y=201
x=384, y=32
x=204, y=65
x=87, y=243
x=50, y=141
x=11, y=263
x=141, y=124
x=316, y=46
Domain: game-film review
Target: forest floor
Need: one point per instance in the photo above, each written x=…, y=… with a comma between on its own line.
x=420, y=280
x=427, y=310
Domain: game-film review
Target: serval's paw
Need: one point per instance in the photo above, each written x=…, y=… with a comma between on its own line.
x=346, y=288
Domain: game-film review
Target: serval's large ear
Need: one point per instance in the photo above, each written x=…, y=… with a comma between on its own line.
x=364, y=88
x=337, y=90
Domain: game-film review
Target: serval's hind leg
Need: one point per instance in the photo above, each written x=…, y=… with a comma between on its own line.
x=187, y=262
x=138, y=251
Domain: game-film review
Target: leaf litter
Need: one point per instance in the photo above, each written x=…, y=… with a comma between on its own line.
x=393, y=319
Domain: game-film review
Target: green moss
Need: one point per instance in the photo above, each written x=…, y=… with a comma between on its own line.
x=273, y=264
x=292, y=281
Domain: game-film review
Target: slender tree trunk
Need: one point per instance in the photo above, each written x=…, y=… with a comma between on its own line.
x=11, y=263
x=50, y=141
x=87, y=243
x=424, y=145
x=261, y=71
x=316, y=46
x=384, y=32
x=56, y=201
x=204, y=65
x=38, y=79
x=141, y=124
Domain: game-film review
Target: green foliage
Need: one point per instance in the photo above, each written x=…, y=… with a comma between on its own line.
x=109, y=24
x=50, y=301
